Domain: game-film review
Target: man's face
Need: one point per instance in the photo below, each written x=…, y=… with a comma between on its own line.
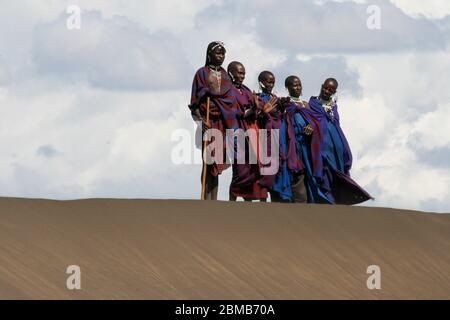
x=238, y=74
x=217, y=56
x=269, y=83
x=328, y=89
x=295, y=89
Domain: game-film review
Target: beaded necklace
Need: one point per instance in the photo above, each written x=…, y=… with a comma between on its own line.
x=328, y=106
x=217, y=73
x=298, y=100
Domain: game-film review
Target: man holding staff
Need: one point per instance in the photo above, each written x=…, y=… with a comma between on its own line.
x=213, y=105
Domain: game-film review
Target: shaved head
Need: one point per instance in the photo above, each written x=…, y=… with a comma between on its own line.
x=290, y=80
x=264, y=75
x=329, y=88
x=331, y=81
x=233, y=65
x=236, y=70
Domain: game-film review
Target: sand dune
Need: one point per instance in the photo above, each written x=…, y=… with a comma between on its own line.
x=173, y=249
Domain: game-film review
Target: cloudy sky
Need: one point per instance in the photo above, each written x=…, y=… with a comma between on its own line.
x=95, y=112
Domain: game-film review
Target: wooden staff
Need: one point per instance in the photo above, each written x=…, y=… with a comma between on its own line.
x=255, y=98
x=203, y=196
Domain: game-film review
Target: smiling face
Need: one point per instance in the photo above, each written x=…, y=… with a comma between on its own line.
x=295, y=88
x=328, y=89
x=238, y=73
x=217, y=56
x=268, y=83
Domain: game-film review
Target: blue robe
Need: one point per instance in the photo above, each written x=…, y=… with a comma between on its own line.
x=283, y=179
x=306, y=153
x=289, y=163
x=336, y=182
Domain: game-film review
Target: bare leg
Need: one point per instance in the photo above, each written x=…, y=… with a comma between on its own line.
x=274, y=197
x=214, y=193
x=299, y=189
x=212, y=185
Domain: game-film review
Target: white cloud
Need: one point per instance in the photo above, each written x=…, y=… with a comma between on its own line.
x=96, y=135
x=109, y=53
x=433, y=9
x=341, y=27
x=90, y=113
x=431, y=131
x=401, y=117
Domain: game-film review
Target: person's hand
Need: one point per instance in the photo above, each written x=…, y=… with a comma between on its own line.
x=196, y=116
x=308, y=130
x=285, y=100
x=269, y=106
x=255, y=101
x=213, y=108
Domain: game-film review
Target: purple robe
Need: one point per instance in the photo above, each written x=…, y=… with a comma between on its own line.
x=268, y=121
x=223, y=107
x=315, y=138
x=245, y=180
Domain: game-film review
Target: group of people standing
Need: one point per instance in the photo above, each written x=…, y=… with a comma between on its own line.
x=314, y=159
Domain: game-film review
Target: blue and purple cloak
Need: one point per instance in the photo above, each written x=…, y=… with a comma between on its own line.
x=336, y=155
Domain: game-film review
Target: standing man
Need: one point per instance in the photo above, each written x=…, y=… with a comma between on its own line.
x=335, y=150
x=245, y=181
x=212, y=84
x=270, y=118
x=305, y=185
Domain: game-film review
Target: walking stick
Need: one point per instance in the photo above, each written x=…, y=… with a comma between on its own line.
x=203, y=196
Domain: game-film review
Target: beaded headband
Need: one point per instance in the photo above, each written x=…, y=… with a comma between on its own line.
x=218, y=44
